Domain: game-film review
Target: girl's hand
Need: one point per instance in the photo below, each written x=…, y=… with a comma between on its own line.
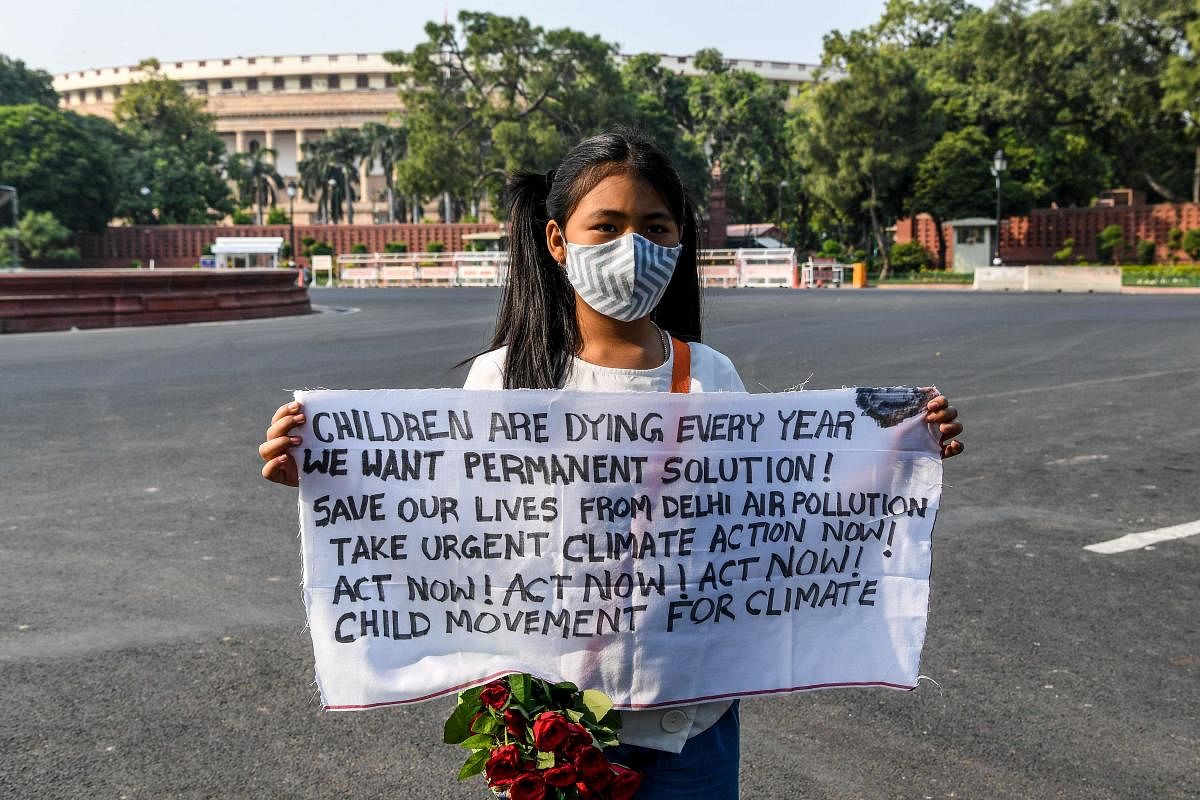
x=281, y=467
x=942, y=414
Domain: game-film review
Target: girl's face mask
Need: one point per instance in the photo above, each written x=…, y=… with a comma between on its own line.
x=623, y=279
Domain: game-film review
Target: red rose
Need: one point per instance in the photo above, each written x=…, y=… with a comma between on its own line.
x=577, y=738
x=494, y=695
x=625, y=783
x=529, y=786
x=587, y=792
x=561, y=776
x=550, y=731
x=515, y=723
x=594, y=767
x=503, y=766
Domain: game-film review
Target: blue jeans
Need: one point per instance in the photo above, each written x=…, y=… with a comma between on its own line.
x=706, y=769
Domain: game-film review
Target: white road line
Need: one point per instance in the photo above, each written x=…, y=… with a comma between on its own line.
x=1076, y=384
x=1134, y=541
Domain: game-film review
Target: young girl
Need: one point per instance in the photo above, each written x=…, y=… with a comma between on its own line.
x=602, y=294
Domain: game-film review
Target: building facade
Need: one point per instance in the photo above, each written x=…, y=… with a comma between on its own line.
x=281, y=102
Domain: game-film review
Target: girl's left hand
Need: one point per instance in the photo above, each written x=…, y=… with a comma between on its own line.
x=942, y=414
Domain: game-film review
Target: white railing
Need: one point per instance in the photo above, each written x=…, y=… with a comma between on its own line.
x=821, y=272
x=748, y=267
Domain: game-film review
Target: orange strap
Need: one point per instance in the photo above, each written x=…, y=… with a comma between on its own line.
x=681, y=370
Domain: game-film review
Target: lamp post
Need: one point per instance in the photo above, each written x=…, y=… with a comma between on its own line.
x=782, y=186
x=16, y=237
x=332, y=184
x=291, y=193
x=999, y=164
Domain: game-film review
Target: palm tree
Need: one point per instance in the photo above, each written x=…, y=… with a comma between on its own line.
x=256, y=177
x=317, y=169
x=346, y=151
x=386, y=145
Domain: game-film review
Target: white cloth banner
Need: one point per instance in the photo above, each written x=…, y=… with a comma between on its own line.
x=662, y=548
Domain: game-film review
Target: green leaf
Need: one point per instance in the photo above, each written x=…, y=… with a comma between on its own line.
x=478, y=740
x=545, y=760
x=596, y=702
x=458, y=725
x=573, y=715
x=486, y=724
x=612, y=720
x=520, y=687
x=474, y=764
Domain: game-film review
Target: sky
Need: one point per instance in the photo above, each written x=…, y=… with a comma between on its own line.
x=65, y=35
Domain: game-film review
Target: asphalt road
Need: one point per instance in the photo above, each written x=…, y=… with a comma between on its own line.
x=152, y=639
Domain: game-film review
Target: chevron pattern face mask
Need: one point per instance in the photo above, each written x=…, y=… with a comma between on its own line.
x=623, y=279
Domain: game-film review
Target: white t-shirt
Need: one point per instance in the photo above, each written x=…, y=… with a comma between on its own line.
x=660, y=729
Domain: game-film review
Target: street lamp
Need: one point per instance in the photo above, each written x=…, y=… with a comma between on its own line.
x=332, y=184
x=16, y=237
x=999, y=164
x=782, y=186
x=291, y=193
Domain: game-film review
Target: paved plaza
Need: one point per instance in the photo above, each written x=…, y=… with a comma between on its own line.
x=153, y=643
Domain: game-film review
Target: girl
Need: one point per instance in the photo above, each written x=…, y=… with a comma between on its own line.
x=602, y=294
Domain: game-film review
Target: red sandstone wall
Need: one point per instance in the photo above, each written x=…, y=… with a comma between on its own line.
x=182, y=245
x=1036, y=237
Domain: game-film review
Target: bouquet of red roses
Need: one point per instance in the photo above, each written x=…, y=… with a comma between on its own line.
x=535, y=740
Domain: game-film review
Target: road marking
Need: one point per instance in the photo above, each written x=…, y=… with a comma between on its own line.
x=1078, y=384
x=1135, y=541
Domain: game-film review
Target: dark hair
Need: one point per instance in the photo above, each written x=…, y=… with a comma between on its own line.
x=536, y=318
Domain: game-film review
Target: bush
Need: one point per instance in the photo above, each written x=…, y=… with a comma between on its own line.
x=435, y=247
x=1145, y=252
x=207, y=251
x=277, y=216
x=469, y=219
x=241, y=216
x=832, y=249
x=909, y=256
x=1160, y=276
x=395, y=247
x=358, y=247
x=1067, y=253
x=1109, y=244
x=308, y=241
x=314, y=248
x=1191, y=244
x=135, y=264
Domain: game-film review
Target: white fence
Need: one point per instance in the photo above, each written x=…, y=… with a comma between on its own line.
x=751, y=267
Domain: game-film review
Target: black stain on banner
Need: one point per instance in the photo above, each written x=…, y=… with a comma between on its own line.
x=891, y=405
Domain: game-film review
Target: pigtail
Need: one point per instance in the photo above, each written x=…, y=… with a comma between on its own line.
x=536, y=318
x=678, y=312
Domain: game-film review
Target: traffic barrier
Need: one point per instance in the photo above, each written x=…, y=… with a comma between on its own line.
x=747, y=267
x=1048, y=279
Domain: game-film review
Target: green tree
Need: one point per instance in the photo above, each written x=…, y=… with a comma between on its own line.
x=953, y=181
x=499, y=94
x=1181, y=96
x=176, y=154
x=323, y=179
x=41, y=237
x=1109, y=244
x=63, y=163
x=256, y=178
x=740, y=120
x=386, y=145
x=862, y=136
x=20, y=85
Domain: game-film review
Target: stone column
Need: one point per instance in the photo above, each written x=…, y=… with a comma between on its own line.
x=269, y=139
x=239, y=141
x=364, y=175
x=299, y=147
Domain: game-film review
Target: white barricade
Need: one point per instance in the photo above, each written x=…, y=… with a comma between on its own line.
x=428, y=275
x=322, y=265
x=398, y=276
x=358, y=277
x=999, y=279
x=767, y=266
x=821, y=272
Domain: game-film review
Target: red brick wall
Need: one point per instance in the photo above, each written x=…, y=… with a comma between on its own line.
x=181, y=245
x=1035, y=238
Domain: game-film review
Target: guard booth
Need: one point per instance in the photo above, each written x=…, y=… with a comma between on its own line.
x=247, y=251
x=973, y=243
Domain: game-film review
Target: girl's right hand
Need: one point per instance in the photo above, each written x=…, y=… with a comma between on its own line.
x=280, y=466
